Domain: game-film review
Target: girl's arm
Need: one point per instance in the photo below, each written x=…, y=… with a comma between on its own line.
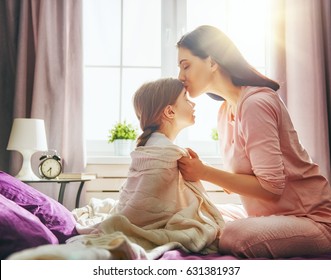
x=192, y=169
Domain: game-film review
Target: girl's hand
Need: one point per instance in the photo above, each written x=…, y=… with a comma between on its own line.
x=191, y=167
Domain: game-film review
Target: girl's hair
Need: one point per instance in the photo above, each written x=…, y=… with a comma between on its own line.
x=149, y=102
x=207, y=41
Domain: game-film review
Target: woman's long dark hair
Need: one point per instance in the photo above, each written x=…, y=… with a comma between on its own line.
x=207, y=41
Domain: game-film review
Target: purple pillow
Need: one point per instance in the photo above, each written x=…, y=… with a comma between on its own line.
x=19, y=229
x=51, y=213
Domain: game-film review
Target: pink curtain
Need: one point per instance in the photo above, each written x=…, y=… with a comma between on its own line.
x=49, y=80
x=8, y=46
x=301, y=60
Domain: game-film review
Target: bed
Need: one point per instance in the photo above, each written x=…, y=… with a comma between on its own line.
x=34, y=226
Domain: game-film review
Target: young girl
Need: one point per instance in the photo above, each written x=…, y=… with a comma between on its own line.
x=156, y=208
x=163, y=109
x=155, y=197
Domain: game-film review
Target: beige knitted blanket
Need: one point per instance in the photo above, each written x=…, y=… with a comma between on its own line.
x=157, y=211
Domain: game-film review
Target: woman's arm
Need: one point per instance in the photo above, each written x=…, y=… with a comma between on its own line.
x=192, y=169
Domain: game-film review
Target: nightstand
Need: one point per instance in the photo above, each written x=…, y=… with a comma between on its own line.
x=63, y=183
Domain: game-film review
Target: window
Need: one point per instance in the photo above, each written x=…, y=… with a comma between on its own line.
x=127, y=44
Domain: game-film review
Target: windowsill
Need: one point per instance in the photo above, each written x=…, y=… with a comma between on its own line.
x=127, y=160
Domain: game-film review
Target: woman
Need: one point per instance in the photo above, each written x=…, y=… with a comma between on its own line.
x=287, y=201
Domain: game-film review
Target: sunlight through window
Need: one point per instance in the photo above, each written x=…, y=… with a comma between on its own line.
x=126, y=44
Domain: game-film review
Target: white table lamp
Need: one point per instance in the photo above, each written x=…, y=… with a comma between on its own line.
x=27, y=137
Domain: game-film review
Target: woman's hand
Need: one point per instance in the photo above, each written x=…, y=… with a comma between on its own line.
x=191, y=167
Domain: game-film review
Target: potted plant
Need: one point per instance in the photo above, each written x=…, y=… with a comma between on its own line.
x=214, y=136
x=122, y=135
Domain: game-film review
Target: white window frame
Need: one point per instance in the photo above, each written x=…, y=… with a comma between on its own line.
x=173, y=26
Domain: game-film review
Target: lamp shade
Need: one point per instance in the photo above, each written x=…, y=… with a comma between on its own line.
x=27, y=137
x=28, y=134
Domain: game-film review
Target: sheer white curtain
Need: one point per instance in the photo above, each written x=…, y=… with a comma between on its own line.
x=299, y=57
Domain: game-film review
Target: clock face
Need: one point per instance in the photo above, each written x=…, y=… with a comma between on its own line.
x=50, y=168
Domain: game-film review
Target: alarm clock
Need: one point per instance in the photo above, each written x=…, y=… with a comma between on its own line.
x=50, y=166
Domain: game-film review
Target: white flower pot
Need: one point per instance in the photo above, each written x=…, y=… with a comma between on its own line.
x=122, y=147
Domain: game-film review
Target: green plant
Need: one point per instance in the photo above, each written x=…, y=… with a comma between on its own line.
x=122, y=130
x=214, y=134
